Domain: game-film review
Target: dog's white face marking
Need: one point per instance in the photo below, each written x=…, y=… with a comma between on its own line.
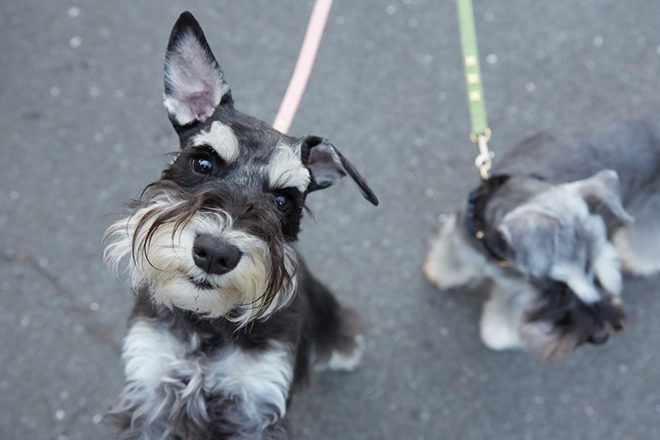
x=221, y=138
x=578, y=281
x=287, y=170
x=165, y=376
x=175, y=280
x=607, y=267
x=604, y=267
x=196, y=87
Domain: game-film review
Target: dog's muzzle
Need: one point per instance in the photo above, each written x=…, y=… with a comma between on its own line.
x=215, y=255
x=599, y=337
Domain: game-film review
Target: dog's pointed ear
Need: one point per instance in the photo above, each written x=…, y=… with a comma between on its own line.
x=533, y=235
x=603, y=188
x=194, y=84
x=327, y=165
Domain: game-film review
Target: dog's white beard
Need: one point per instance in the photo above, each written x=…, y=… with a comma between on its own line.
x=168, y=268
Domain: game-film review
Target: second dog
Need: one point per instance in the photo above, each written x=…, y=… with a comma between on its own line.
x=562, y=214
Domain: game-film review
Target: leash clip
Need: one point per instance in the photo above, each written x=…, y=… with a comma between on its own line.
x=485, y=158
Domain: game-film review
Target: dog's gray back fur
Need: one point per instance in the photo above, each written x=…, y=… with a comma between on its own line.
x=628, y=143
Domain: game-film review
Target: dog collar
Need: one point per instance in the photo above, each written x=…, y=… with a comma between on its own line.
x=475, y=222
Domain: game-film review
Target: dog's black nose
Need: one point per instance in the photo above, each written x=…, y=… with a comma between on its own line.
x=215, y=255
x=600, y=337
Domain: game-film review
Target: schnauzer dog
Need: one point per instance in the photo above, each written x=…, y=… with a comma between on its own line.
x=563, y=213
x=227, y=317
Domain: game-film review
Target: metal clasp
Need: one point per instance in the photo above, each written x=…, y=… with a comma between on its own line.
x=485, y=158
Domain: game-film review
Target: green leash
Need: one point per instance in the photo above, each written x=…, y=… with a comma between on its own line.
x=475, y=93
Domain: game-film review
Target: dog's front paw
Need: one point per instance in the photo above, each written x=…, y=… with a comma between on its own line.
x=496, y=329
x=344, y=360
x=499, y=338
x=348, y=344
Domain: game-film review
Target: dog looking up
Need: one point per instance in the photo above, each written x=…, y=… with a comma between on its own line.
x=227, y=318
x=556, y=211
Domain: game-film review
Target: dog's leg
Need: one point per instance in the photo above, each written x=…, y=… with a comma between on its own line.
x=250, y=389
x=173, y=390
x=336, y=331
x=638, y=243
x=451, y=261
x=278, y=431
x=499, y=328
x=241, y=428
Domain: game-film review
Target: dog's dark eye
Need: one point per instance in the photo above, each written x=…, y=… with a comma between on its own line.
x=201, y=165
x=283, y=202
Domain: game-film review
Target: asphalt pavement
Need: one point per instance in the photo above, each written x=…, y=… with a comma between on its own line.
x=83, y=130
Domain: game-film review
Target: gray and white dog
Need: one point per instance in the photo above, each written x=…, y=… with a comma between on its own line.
x=564, y=212
x=227, y=318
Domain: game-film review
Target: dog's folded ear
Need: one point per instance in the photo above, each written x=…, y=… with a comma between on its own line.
x=327, y=166
x=194, y=84
x=532, y=234
x=603, y=188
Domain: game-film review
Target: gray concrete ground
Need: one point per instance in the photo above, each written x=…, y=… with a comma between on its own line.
x=83, y=131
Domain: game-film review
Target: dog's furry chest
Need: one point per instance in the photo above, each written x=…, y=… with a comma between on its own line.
x=207, y=392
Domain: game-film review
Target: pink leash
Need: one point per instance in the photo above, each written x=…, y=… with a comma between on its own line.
x=304, y=65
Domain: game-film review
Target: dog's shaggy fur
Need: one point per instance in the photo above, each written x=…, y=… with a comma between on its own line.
x=227, y=319
x=564, y=211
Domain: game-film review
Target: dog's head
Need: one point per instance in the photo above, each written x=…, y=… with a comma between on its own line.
x=556, y=320
x=214, y=235
x=557, y=240
x=554, y=237
x=562, y=245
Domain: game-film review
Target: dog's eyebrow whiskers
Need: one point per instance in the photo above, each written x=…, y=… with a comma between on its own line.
x=221, y=139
